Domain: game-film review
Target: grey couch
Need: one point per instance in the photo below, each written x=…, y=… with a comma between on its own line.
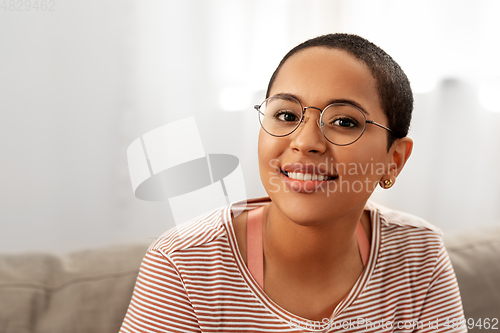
x=89, y=291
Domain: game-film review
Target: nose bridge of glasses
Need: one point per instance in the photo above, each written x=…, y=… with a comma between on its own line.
x=305, y=119
x=312, y=107
x=318, y=121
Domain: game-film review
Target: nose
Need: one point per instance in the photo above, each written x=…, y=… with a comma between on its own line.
x=308, y=138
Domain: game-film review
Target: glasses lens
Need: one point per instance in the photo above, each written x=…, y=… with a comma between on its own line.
x=280, y=115
x=342, y=124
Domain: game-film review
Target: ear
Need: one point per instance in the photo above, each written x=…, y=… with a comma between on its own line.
x=399, y=153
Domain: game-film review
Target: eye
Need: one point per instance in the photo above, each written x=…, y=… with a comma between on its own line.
x=345, y=122
x=287, y=116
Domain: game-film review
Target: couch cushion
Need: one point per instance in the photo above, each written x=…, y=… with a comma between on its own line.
x=86, y=291
x=89, y=291
x=476, y=259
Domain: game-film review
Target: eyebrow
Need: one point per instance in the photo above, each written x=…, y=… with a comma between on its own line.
x=288, y=96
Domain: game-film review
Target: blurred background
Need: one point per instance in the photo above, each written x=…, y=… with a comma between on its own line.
x=80, y=80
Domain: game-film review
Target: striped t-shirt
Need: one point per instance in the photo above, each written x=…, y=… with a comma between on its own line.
x=193, y=279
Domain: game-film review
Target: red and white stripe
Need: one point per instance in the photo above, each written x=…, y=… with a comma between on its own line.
x=193, y=279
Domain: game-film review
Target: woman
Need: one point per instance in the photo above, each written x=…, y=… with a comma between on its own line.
x=316, y=255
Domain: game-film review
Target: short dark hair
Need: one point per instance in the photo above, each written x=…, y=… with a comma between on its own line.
x=393, y=86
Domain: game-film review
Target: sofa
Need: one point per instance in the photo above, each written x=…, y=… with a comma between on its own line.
x=89, y=291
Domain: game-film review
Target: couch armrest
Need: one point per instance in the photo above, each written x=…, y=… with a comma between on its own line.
x=86, y=291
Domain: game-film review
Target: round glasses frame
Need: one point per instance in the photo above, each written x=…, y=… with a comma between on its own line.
x=304, y=108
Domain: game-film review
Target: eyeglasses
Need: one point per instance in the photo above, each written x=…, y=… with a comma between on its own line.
x=341, y=123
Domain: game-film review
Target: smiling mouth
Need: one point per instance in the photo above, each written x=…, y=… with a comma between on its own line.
x=307, y=176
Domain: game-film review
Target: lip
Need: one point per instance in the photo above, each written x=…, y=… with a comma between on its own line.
x=306, y=168
x=305, y=186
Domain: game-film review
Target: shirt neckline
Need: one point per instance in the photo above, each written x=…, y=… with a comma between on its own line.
x=281, y=313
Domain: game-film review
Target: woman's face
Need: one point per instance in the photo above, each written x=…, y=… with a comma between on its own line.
x=316, y=76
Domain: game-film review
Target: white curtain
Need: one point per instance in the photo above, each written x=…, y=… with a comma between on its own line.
x=78, y=84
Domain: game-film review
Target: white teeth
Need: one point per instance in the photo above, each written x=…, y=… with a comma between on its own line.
x=306, y=176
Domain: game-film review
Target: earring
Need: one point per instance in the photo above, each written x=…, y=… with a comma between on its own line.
x=388, y=183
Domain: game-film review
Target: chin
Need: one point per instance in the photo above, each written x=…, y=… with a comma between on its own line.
x=309, y=209
x=303, y=209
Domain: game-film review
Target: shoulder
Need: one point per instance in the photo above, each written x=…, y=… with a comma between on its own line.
x=411, y=266
x=202, y=230
x=196, y=232
x=405, y=230
x=407, y=246
x=393, y=219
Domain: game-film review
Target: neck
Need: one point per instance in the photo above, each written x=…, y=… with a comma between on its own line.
x=312, y=246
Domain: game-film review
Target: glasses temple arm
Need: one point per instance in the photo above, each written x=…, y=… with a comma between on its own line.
x=379, y=125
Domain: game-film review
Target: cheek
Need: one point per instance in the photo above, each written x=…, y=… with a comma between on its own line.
x=269, y=147
x=366, y=165
x=261, y=150
x=265, y=153
x=269, y=152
